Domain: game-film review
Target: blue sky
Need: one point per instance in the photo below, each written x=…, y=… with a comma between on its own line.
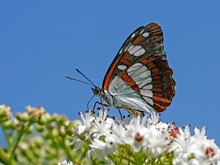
x=42, y=41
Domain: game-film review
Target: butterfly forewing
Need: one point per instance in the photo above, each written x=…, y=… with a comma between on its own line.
x=141, y=63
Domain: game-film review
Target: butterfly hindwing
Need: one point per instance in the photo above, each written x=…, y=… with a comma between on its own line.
x=141, y=63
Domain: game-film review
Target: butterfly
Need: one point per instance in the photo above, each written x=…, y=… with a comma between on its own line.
x=139, y=79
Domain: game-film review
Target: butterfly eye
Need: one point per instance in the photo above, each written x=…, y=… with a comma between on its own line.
x=96, y=90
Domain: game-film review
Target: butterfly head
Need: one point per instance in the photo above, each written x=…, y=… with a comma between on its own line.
x=97, y=91
x=105, y=96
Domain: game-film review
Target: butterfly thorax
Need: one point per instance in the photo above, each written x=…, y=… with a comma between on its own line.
x=113, y=100
x=107, y=98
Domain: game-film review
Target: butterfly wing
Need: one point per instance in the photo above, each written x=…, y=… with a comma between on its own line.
x=141, y=63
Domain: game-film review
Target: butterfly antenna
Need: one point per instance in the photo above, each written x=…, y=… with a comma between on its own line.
x=85, y=77
x=79, y=81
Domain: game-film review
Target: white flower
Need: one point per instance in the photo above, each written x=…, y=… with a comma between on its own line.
x=100, y=148
x=86, y=122
x=96, y=129
x=154, y=119
x=93, y=126
x=104, y=146
x=147, y=133
x=132, y=134
x=182, y=143
x=183, y=160
x=102, y=124
x=158, y=139
x=194, y=149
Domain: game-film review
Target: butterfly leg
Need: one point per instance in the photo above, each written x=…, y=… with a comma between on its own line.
x=120, y=114
x=89, y=102
x=100, y=103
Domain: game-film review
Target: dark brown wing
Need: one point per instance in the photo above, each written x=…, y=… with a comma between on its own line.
x=141, y=63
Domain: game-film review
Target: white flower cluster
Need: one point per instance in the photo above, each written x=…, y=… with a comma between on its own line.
x=194, y=149
x=147, y=135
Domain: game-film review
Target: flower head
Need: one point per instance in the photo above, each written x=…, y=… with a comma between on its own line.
x=194, y=149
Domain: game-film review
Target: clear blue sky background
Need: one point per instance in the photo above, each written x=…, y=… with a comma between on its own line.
x=42, y=41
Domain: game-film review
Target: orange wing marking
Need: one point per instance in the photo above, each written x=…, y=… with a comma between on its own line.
x=139, y=39
x=129, y=81
x=108, y=76
x=125, y=60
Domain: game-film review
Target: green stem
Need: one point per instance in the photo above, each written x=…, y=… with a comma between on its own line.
x=6, y=136
x=153, y=161
x=16, y=142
